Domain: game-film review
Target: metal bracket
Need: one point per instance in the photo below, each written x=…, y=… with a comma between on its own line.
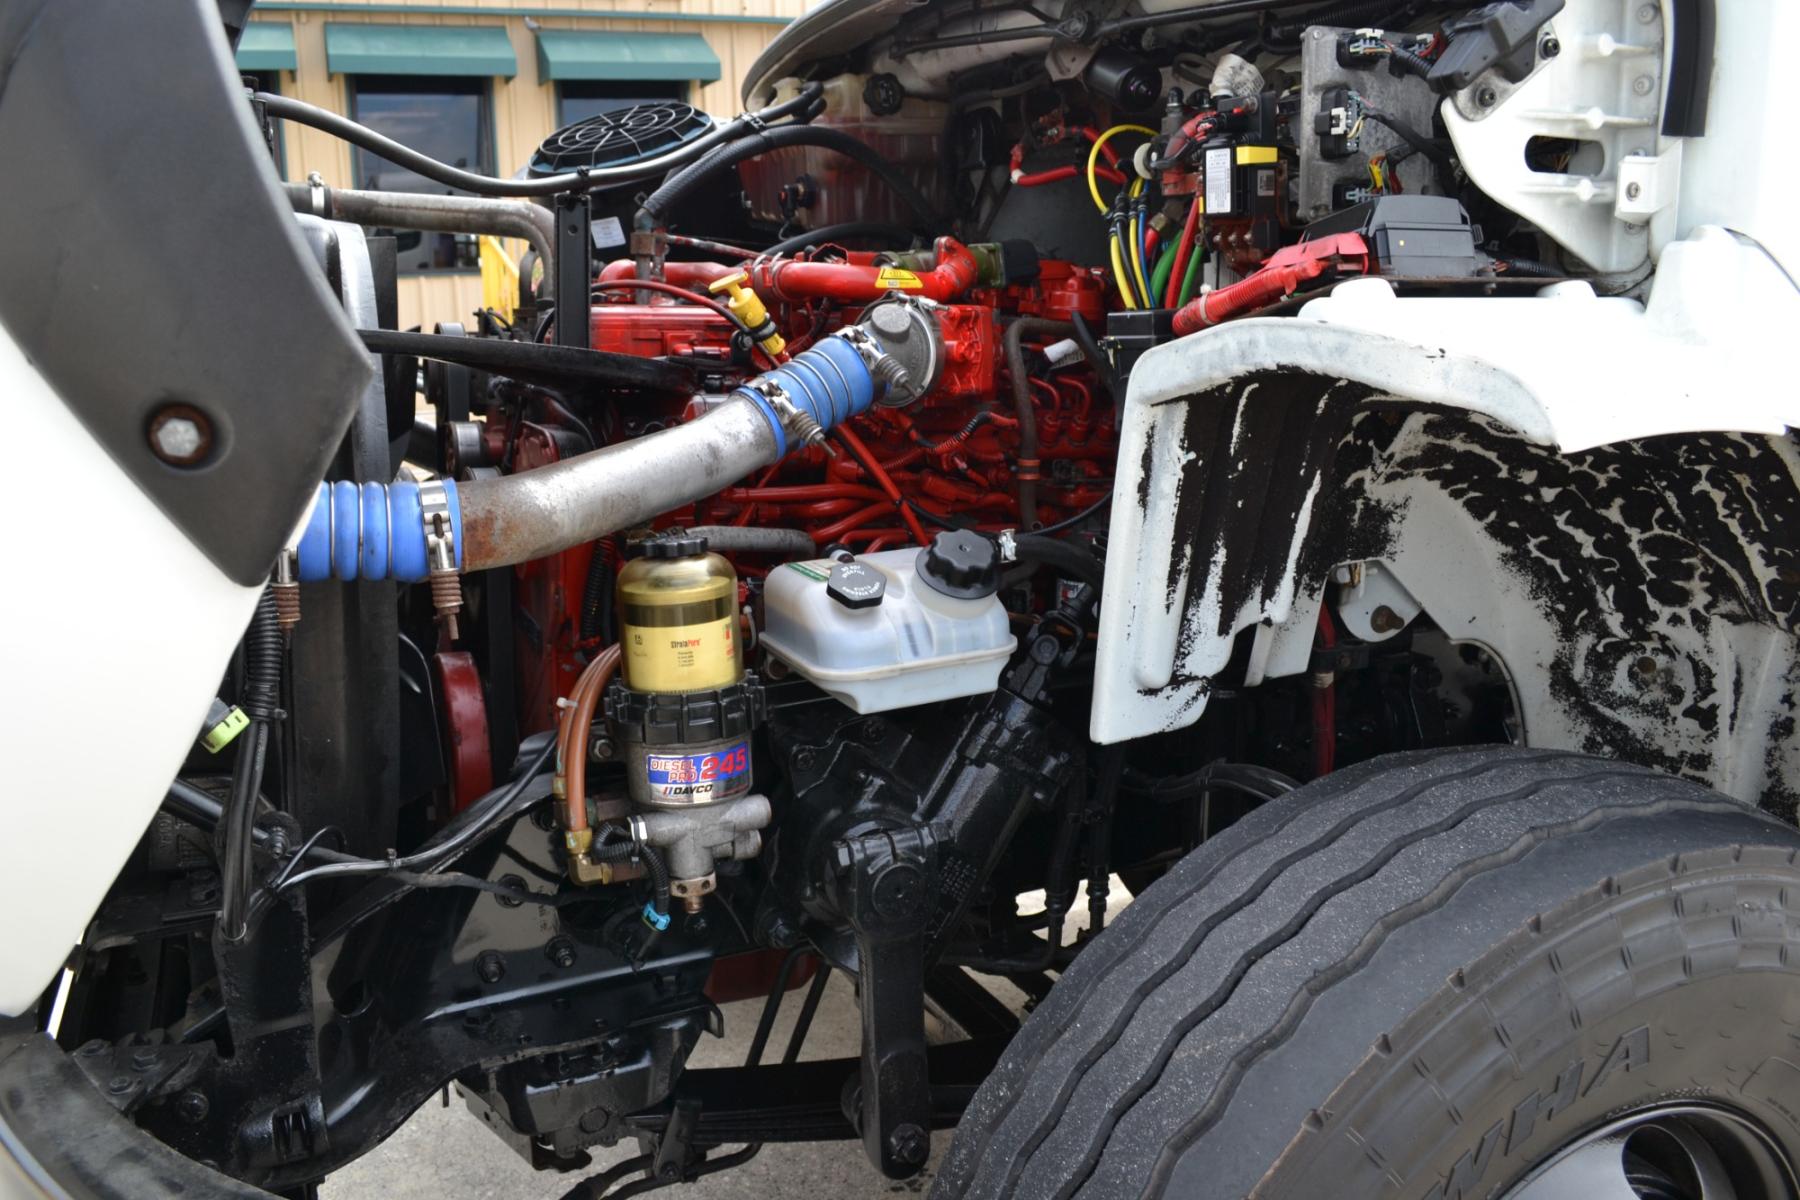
x=885, y=883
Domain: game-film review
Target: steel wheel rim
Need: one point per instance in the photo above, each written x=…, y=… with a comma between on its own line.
x=1668, y=1152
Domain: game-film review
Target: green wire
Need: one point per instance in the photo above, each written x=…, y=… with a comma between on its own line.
x=1159, y=278
x=1191, y=281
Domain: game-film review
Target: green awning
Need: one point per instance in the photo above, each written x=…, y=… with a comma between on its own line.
x=419, y=50
x=594, y=54
x=266, y=46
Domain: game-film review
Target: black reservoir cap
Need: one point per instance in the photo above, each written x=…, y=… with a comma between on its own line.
x=960, y=563
x=856, y=585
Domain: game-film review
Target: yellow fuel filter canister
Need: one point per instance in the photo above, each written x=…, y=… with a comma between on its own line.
x=678, y=617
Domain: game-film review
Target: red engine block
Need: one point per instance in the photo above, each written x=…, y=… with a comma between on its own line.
x=954, y=451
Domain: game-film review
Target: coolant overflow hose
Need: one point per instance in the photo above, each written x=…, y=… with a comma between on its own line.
x=377, y=531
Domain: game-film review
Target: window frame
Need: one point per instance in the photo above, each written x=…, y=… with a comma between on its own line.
x=681, y=91
x=479, y=86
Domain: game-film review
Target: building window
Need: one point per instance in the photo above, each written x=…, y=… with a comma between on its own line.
x=579, y=99
x=447, y=118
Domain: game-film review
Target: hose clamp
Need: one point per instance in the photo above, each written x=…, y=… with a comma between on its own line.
x=889, y=374
x=440, y=553
x=316, y=183
x=440, y=532
x=796, y=422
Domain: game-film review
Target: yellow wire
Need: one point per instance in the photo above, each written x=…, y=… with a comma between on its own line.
x=1119, y=275
x=1137, y=251
x=1093, y=180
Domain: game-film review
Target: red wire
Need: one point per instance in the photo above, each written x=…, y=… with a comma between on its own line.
x=883, y=479
x=799, y=493
x=1070, y=171
x=862, y=516
x=1188, y=233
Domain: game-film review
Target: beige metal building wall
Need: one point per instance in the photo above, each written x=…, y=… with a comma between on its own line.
x=524, y=107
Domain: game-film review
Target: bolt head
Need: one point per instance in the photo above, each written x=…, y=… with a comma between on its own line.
x=1646, y=13
x=192, y=1107
x=909, y=1145
x=490, y=967
x=1633, y=191
x=180, y=435
x=1642, y=85
x=1550, y=47
x=561, y=951
x=1487, y=97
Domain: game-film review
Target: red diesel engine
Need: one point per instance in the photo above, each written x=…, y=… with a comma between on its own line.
x=1007, y=425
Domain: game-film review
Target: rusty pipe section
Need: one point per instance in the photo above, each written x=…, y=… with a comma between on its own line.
x=521, y=219
x=535, y=513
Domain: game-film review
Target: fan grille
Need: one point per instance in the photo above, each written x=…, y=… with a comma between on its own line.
x=620, y=136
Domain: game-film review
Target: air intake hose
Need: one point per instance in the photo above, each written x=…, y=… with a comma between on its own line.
x=376, y=531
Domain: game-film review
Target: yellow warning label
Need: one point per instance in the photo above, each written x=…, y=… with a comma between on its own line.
x=895, y=278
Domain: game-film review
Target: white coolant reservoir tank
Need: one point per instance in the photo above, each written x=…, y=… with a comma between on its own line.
x=893, y=629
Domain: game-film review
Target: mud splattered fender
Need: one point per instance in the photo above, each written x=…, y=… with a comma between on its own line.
x=1230, y=439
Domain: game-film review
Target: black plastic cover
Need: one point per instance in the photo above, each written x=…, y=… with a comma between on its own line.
x=621, y=135
x=1421, y=237
x=1502, y=35
x=151, y=258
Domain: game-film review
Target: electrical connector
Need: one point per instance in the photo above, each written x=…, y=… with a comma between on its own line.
x=223, y=723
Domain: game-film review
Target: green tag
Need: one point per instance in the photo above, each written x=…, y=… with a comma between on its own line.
x=222, y=734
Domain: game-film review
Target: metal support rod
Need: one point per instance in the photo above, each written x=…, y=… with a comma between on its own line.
x=574, y=274
x=438, y=214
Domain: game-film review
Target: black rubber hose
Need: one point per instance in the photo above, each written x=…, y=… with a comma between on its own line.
x=289, y=109
x=261, y=702
x=659, y=879
x=1068, y=523
x=597, y=596
x=1064, y=556
x=752, y=539
x=262, y=662
x=1029, y=466
x=202, y=809
x=656, y=207
x=463, y=831
x=1411, y=62
x=1097, y=357
x=1532, y=267
x=893, y=237
x=549, y=366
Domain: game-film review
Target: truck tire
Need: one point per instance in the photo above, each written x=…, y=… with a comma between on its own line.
x=1435, y=976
